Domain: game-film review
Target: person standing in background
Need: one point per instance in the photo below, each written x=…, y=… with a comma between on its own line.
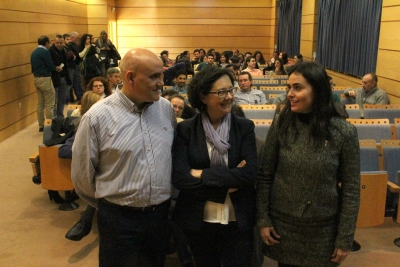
x=42, y=67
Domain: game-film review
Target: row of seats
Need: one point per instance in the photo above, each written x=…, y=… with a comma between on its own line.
x=380, y=180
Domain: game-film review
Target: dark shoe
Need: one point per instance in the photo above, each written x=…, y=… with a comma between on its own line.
x=41, y=129
x=355, y=246
x=81, y=229
x=54, y=195
x=37, y=180
x=397, y=242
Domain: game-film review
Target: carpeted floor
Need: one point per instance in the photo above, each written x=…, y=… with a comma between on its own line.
x=33, y=229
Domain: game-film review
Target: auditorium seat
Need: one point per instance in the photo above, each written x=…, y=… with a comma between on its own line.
x=261, y=127
x=373, y=184
x=397, y=127
x=266, y=82
x=391, y=157
x=353, y=110
x=376, y=129
x=71, y=108
x=54, y=172
x=272, y=90
x=259, y=111
x=382, y=111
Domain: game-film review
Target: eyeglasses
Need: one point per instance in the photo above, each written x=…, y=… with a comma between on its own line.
x=98, y=85
x=224, y=93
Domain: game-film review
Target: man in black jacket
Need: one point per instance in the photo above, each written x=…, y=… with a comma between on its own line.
x=60, y=78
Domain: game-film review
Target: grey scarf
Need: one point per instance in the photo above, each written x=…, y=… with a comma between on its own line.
x=218, y=138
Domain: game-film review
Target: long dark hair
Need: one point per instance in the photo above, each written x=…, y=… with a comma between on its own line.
x=323, y=108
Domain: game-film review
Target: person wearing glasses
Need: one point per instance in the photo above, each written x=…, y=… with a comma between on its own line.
x=246, y=95
x=214, y=169
x=100, y=86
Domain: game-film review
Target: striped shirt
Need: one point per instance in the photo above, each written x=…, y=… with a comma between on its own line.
x=124, y=155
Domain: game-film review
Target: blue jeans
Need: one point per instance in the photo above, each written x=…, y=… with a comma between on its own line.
x=77, y=83
x=60, y=98
x=130, y=237
x=71, y=72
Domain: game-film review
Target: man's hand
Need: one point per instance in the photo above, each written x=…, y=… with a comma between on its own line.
x=351, y=93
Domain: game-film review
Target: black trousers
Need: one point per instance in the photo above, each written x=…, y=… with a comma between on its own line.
x=130, y=237
x=217, y=245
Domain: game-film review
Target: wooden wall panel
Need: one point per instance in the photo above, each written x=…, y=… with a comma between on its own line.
x=17, y=88
x=391, y=87
x=389, y=35
x=172, y=31
x=26, y=21
x=14, y=112
x=194, y=13
x=181, y=25
x=193, y=3
x=388, y=3
x=388, y=64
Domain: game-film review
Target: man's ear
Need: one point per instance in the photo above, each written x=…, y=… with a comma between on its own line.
x=130, y=77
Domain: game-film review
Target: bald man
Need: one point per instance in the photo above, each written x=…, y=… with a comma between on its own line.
x=369, y=93
x=121, y=164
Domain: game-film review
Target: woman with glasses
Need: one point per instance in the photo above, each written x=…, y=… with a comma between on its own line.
x=100, y=86
x=214, y=167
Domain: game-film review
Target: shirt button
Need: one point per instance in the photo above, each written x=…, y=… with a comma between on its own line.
x=153, y=184
x=148, y=148
x=151, y=165
x=145, y=132
x=309, y=202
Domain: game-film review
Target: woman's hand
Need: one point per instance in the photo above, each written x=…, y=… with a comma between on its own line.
x=339, y=255
x=196, y=173
x=269, y=235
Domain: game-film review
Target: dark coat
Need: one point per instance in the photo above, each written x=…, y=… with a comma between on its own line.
x=190, y=152
x=58, y=57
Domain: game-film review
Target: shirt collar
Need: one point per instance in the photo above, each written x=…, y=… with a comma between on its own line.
x=129, y=104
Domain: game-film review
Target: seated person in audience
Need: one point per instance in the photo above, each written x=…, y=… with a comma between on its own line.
x=114, y=78
x=271, y=63
x=209, y=62
x=298, y=58
x=280, y=99
x=279, y=69
x=259, y=58
x=223, y=60
x=284, y=57
x=246, y=95
x=165, y=54
x=83, y=227
x=182, y=64
x=235, y=61
x=100, y=86
x=235, y=72
x=336, y=98
x=235, y=52
x=180, y=82
x=168, y=93
x=196, y=58
x=178, y=103
x=369, y=93
x=251, y=66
